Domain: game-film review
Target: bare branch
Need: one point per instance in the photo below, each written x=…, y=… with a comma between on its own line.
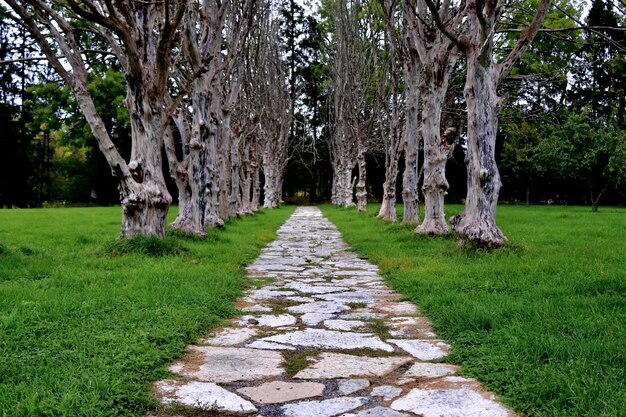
x=442, y=27
x=523, y=42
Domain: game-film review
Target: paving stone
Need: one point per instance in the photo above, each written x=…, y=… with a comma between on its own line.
x=268, y=294
x=388, y=392
x=320, y=307
x=344, y=324
x=282, y=392
x=268, y=320
x=324, y=408
x=422, y=350
x=431, y=370
x=458, y=379
x=365, y=315
x=256, y=308
x=321, y=338
x=339, y=365
x=377, y=412
x=227, y=364
x=203, y=395
x=448, y=403
x=299, y=299
x=399, y=322
x=399, y=308
x=230, y=336
x=317, y=289
x=413, y=332
x=260, y=344
x=350, y=297
x=350, y=386
x=313, y=319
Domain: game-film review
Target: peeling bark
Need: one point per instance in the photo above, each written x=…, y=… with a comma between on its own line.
x=361, y=191
x=477, y=222
x=410, y=196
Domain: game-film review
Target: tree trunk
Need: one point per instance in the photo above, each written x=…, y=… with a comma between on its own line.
x=410, y=194
x=256, y=188
x=595, y=202
x=393, y=145
x=477, y=222
x=270, y=196
x=361, y=191
x=145, y=199
x=435, y=157
x=211, y=210
x=346, y=198
x=388, y=208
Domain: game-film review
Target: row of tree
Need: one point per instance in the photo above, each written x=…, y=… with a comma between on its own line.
x=410, y=53
x=205, y=85
x=235, y=93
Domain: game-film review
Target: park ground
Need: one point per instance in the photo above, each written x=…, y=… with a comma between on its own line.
x=87, y=324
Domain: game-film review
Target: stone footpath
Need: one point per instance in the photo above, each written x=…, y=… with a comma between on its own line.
x=323, y=336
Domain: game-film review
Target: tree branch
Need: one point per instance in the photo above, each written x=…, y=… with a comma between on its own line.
x=524, y=41
x=440, y=24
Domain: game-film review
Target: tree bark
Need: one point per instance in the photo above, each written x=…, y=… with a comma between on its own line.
x=436, y=153
x=361, y=191
x=477, y=222
x=410, y=195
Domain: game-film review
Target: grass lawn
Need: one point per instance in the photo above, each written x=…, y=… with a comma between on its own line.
x=85, y=334
x=541, y=322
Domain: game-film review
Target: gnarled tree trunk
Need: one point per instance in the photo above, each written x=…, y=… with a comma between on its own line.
x=361, y=191
x=410, y=196
x=477, y=222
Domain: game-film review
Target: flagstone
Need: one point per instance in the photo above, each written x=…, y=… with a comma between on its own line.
x=403, y=307
x=422, y=350
x=228, y=364
x=339, y=365
x=268, y=294
x=230, y=337
x=327, y=307
x=350, y=386
x=269, y=320
x=324, y=408
x=203, y=395
x=313, y=319
x=431, y=370
x=321, y=338
x=448, y=403
x=260, y=344
x=377, y=412
x=255, y=308
x=344, y=324
x=282, y=392
x=388, y=392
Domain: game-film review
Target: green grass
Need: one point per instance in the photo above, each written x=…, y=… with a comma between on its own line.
x=541, y=321
x=87, y=324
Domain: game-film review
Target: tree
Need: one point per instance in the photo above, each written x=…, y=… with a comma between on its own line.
x=477, y=222
x=390, y=120
x=586, y=150
x=208, y=73
x=599, y=73
x=141, y=35
x=352, y=68
x=437, y=55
